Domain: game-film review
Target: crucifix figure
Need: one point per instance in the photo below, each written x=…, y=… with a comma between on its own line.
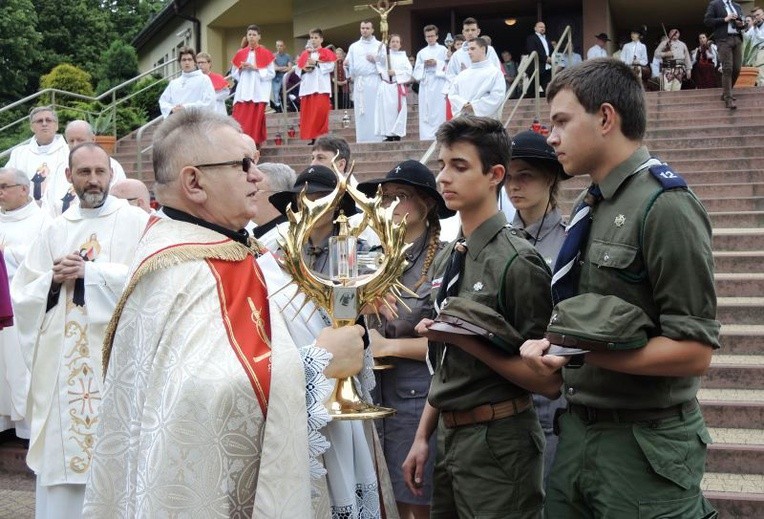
x=383, y=8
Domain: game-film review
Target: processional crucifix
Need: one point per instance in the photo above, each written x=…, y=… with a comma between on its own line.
x=383, y=8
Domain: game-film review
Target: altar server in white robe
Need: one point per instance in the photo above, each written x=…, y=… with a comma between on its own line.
x=210, y=409
x=43, y=153
x=460, y=59
x=20, y=221
x=60, y=194
x=65, y=292
x=430, y=72
x=481, y=88
x=391, y=109
x=193, y=89
x=361, y=64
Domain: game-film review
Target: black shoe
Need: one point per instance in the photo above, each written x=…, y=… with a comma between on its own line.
x=312, y=142
x=730, y=103
x=732, y=97
x=389, y=139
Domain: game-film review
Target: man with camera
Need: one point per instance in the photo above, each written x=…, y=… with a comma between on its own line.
x=725, y=17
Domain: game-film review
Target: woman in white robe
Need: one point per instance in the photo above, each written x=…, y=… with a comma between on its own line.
x=390, y=111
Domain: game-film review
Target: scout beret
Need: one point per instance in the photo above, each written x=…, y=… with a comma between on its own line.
x=314, y=179
x=598, y=323
x=462, y=315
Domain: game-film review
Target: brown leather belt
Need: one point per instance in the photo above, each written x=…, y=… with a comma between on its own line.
x=593, y=415
x=486, y=412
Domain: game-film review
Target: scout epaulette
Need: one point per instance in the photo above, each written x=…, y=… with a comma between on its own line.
x=667, y=177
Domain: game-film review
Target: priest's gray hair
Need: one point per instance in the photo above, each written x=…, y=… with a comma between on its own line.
x=182, y=140
x=22, y=178
x=280, y=176
x=38, y=109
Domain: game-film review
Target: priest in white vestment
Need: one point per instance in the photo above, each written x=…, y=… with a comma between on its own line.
x=430, y=72
x=391, y=108
x=481, y=88
x=60, y=195
x=20, y=221
x=64, y=293
x=193, y=89
x=361, y=63
x=210, y=408
x=43, y=153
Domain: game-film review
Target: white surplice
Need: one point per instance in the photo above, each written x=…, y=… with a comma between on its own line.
x=182, y=432
x=17, y=229
x=432, y=81
x=366, y=81
x=33, y=158
x=460, y=61
x=65, y=388
x=58, y=187
x=391, y=109
x=482, y=85
x=253, y=84
x=191, y=90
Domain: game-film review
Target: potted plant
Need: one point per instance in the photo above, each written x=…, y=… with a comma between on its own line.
x=103, y=127
x=750, y=69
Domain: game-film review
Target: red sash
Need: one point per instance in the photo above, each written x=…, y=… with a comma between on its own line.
x=324, y=56
x=244, y=307
x=263, y=57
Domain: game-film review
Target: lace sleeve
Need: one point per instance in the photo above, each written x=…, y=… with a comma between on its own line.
x=317, y=389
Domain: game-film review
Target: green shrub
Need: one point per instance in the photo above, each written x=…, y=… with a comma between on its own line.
x=147, y=101
x=69, y=78
x=118, y=64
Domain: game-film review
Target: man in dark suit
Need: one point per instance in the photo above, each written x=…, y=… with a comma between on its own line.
x=726, y=19
x=537, y=42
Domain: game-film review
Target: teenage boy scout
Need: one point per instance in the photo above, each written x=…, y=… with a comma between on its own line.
x=633, y=443
x=490, y=445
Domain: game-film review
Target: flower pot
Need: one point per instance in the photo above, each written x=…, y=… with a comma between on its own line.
x=107, y=142
x=747, y=77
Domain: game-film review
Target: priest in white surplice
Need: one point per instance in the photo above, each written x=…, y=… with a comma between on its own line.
x=43, y=153
x=20, y=221
x=362, y=71
x=481, y=88
x=193, y=89
x=391, y=109
x=64, y=293
x=430, y=72
x=60, y=194
x=210, y=409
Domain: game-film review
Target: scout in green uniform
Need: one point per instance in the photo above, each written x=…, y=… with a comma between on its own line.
x=490, y=446
x=633, y=443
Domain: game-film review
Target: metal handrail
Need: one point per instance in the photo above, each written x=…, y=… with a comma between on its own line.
x=285, y=104
x=138, y=136
x=566, y=40
x=524, y=64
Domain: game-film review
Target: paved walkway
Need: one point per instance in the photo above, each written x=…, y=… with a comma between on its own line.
x=16, y=496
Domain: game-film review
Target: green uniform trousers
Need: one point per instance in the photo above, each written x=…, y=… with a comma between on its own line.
x=639, y=470
x=491, y=470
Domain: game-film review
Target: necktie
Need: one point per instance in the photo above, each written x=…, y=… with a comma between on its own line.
x=563, y=285
x=450, y=283
x=66, y=201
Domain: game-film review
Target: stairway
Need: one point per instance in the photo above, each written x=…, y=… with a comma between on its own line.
x=720, y=155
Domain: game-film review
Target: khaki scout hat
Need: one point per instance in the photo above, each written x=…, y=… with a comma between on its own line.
x=464, y=316
x=598, y=323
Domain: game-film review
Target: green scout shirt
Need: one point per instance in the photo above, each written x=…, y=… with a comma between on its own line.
x=504, y=272
x=651, y=248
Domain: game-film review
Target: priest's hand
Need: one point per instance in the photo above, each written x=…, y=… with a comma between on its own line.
x=346, y=346
x=68, y=267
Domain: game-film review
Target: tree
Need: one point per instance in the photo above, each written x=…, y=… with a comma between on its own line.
x=130, y=16
x=19, y=49
x=70, y=78
x=118, y=64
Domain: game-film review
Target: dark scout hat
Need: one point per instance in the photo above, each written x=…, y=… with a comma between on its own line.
x=412, y=173
x=461, y=315
x=315, y=179
x=530, y=145
x=602, y=36
x=598, y=323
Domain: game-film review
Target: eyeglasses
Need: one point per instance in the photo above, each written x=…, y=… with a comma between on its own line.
x=389, y=198
x=48, y=120
x=246, y=163
x=5, y=187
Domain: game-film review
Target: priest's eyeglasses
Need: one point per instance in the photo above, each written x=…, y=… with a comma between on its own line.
x=246, y=163
x=6, y=187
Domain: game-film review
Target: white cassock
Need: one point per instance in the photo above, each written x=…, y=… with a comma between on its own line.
x=355, y=472
x=39, y=162
x=366, y=83
x=17, y=230
x=483, y=86
x=432, y=81
x=391, y=109
x=59, y=187
x=191, y=90
x=183, y=432
x=66, y=341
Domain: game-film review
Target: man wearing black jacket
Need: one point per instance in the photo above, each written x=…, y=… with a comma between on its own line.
x=725, y=17
x=538, y=42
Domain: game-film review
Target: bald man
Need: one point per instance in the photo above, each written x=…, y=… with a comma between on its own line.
x=59, y=195
x=135, y=192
